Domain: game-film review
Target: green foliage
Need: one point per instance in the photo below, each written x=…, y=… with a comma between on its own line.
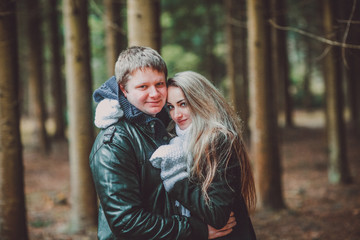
x=304, y=52
x=40, y=223
x=193, y=31
x=178, y=59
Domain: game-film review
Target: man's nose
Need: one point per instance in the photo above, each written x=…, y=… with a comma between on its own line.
x=153, y=91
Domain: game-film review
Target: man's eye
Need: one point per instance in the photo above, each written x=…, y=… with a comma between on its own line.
x=160, y=84
x=142, y=87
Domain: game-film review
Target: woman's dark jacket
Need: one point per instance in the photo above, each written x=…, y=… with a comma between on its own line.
x=224, y=196
x=133, y=201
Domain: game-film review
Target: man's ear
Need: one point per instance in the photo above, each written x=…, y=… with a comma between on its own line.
x=122, y=88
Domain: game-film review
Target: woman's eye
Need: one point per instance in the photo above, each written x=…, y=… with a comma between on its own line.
x=183, y=104
x=170, y=107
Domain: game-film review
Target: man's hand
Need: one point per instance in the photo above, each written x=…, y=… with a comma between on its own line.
x=216, y=233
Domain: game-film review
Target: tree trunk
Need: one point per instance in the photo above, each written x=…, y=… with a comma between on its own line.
x=338, y=171
x=157, y=6
x=143, y=23
x=36, y=74
x=210, y=61
x=81, y=135
x=236, y=60
x=307, y=99
x=280, y=62
x=353, y=70
x=12, y=197
x=114, y=33
x=264, y=142
x=56, y=63
x=285, y=76
x=23, y=53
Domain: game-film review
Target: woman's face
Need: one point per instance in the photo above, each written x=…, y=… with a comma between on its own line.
x=178, y=107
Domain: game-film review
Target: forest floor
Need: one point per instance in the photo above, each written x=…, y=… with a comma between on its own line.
x=314, y=209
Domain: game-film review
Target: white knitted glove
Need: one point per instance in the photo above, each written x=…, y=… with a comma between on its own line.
x=173, y=169
x=172, y=162
x=108, y=112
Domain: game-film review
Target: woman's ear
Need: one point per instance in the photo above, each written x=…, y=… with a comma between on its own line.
x=122, y=88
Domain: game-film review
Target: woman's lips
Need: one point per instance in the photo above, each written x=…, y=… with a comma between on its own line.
x=182, y=121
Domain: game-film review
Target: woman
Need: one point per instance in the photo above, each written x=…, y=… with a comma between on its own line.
x=206, y=167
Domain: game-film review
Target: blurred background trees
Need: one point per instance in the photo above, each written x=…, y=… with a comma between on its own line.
x=270, y=58
x=13, y=224
x=80, y=135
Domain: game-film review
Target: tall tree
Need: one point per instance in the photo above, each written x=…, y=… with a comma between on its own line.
x=36, y=73
x=237, y=58
x=307, y=99
x=210, y=60
x=81, y=135
x=338, y=171
x=115, y=38
x=23, y=52
x=144, y=23
x=264, y=132
x=352, y=14
x=56, y=62
x=280, y=62
x=12, y=198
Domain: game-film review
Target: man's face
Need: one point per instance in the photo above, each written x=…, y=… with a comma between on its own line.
x=146, y=90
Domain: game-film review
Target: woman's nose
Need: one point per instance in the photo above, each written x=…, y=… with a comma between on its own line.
x=178, y=113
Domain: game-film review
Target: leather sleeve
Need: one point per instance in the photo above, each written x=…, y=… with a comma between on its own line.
x=116, y=177
x=216, y=213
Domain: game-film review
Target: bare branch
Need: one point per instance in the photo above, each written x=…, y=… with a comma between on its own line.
x=236, y=23
x=311, y=35
x=347, y=32
x=100, y=13
x=350, y=21
x=323, y=54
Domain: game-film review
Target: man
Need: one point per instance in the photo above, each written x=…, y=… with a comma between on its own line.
x=133, y=201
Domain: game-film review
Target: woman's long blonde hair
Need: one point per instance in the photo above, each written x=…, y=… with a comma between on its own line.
x=215, y=135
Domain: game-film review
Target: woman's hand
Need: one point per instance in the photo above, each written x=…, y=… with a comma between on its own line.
x=216, y=233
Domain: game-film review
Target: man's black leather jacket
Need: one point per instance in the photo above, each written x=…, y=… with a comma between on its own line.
x=133, y=201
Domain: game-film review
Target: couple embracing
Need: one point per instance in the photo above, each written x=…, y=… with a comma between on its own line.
x=170, y=161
